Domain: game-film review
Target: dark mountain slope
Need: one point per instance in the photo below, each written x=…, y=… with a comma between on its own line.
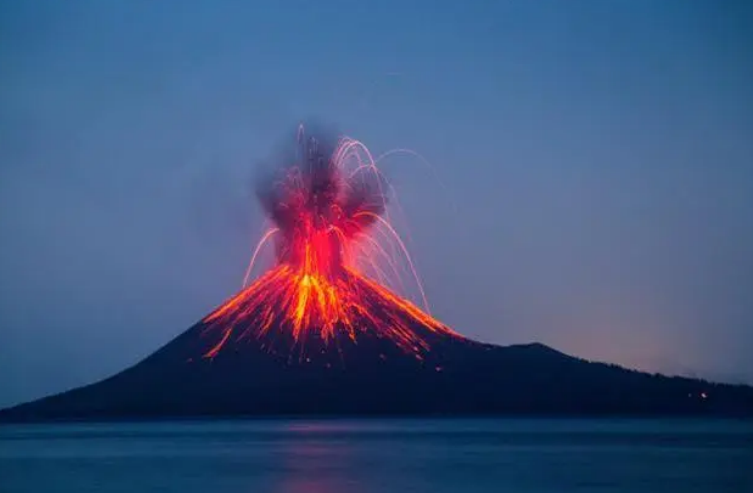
x=374, y=377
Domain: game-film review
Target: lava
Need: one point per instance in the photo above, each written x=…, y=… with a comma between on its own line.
x=327, y=206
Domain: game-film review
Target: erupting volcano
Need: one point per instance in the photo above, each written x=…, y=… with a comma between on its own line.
x=324, y=332
x=327, y=206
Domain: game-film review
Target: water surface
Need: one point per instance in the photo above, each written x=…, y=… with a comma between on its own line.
x=301, y=456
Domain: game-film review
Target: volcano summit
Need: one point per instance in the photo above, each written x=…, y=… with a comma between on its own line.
x=323, y=204
x=324, y=332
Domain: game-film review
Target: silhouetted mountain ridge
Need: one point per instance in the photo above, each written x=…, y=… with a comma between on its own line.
x=372, y=376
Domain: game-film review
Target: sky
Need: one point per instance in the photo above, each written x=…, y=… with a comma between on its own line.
x=590, y=177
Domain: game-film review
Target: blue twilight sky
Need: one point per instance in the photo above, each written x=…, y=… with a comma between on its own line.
x=591, y=184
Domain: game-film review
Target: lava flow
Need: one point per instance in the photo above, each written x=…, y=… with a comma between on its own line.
x=335, y=248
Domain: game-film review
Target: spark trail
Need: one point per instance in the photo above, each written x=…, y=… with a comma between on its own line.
x=328, y=209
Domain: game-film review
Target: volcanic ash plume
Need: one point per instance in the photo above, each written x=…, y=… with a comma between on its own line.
x=326, y=204
x=318, y=208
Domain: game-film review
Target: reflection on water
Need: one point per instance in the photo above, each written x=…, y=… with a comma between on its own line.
x=313, y=465
x=338, y=456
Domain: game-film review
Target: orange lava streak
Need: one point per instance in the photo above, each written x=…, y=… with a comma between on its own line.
x=296, y=301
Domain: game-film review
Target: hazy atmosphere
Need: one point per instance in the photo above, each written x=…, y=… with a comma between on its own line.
x=590, y=183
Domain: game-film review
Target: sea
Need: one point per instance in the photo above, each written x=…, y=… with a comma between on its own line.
x=380, y=455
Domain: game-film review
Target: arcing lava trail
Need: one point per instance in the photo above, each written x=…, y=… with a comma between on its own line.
x=327, y=205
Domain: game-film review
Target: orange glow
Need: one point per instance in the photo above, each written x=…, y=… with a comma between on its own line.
x=322, y=213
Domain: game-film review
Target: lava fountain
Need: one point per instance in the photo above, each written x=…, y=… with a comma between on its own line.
x=329, y=226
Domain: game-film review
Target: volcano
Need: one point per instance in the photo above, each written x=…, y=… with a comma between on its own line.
x=323, y=332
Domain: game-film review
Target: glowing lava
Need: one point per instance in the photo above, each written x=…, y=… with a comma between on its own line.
x=324, y=203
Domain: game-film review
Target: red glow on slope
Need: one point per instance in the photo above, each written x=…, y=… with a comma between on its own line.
x=323, y=206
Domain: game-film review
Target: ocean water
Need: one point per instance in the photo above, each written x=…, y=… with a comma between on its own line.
x=336, y=456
